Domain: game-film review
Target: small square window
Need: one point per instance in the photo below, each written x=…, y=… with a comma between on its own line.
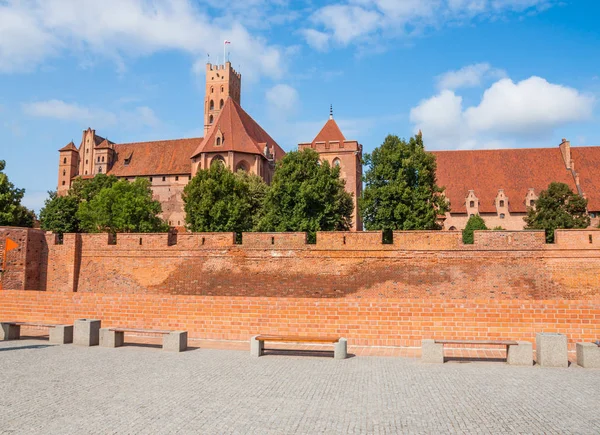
x=502, y=216
x=164, y=178
x=176, y=177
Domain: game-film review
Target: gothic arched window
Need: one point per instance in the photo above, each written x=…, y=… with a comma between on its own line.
x=336, y=162
x=218, y=141
x=221, y=103
x=65, y=161
x=210, y=119
x=217, y=160
x=211, y=105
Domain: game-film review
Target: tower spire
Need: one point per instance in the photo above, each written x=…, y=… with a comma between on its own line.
x=331, y=111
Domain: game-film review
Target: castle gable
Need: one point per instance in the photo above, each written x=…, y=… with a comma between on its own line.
x=330, y=133
x=235, y=130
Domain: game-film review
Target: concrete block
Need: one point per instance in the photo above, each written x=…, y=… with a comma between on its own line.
x=10, y=331
x=520, y=354
x=588, y=355
x=340, y=351
x=432, y=352
x=551, y=349
x=110, y=338
x=86, y=332
x=257, y=347
x=61, y=334
x=175, y=341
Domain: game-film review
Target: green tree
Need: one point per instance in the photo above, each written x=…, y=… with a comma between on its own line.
x=216, y=199
x=84, y=189
x=400, y=187
x=125, y=207
x=59, y=214
x=257, y=192
x=306, y=195
x=475, y=222
x=558, y=207
x=12, y=213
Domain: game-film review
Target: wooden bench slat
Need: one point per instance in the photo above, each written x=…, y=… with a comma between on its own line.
x=145, y=331
x=297, y=339
x=43, y=325
x=485, y=342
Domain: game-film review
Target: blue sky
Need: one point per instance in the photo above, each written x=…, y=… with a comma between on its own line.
x=470, y=73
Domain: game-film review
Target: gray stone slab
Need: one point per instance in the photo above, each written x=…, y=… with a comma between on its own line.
x=520, y=354
x=9, y=331
x=110, y=338
x=551, y=349
x=340, y=350
x=175, y=341
x=588, y=355
x=432, y=352
x=86, y=332
x=61, y=334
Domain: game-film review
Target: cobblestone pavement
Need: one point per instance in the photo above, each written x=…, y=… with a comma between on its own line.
x=47, y=389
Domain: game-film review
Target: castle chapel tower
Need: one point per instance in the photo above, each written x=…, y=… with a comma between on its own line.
x=222, y=81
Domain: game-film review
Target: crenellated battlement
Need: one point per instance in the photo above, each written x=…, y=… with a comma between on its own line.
x=226, y=67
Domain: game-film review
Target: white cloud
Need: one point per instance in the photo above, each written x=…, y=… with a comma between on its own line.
x=36, y=30
x=531, y=105
x=317, y=40
x=139, y=117
x=359, y=20
x=282, y=99
x=469, y=76
x=507, y=111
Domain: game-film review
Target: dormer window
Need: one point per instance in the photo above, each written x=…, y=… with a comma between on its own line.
x=501, y=203
x=472, y=204
x=218, y=141
x=127, y=160
x=532, y=203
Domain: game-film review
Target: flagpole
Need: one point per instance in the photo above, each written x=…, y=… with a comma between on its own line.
x=224, y=48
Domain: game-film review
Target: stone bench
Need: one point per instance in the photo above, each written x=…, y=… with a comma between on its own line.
x=58, y=334
x=588, y=355
x=551, y=349
x=518, y=353
x=257, y=343
x=175, y=341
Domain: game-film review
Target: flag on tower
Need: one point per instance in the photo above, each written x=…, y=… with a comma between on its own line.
x=227, y=42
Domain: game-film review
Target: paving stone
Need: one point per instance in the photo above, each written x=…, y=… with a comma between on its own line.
x=138, y=389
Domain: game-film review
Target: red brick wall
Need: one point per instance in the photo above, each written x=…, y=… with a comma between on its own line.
x=386, y=322
x=425, y=284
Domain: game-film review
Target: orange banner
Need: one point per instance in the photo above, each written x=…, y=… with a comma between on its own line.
x=10, y=245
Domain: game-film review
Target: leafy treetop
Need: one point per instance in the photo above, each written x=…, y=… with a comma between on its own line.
x=125, y=207
x=306, y=195
x=474, y=223
x=400, y=187
x=558, y=207
x=12, y=213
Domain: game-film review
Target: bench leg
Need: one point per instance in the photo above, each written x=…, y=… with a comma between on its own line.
x=61, y=334
x=10, y=331
x=175, y=341
x=340, y=351
x=110, y=338
x=520, y=354
x=588, y=355
x=86, y=332
x=257, y=347
x=432, y=352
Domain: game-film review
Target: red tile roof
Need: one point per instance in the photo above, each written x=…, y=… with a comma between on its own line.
x=487, y=171
x=69, y=147
x=587, y=165
x=162, y=157
x=240, y=132
x=104, y=144
x=330, y=133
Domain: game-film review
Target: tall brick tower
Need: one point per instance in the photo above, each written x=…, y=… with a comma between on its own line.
x=222, y=81
x=332, y=146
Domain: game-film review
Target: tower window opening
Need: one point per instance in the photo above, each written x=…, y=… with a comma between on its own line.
x=221, y=103
x=272, y=240
x=336, y=162
x=86, y=162
x=102, y=159
x=98, y=159
x=65, y=161
x=211, y=105
x=64, y=172
x=64, y=182
x=222, y=89
x=100, y=170
x=211, y=89
x=210, y=119
x=590, y=238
